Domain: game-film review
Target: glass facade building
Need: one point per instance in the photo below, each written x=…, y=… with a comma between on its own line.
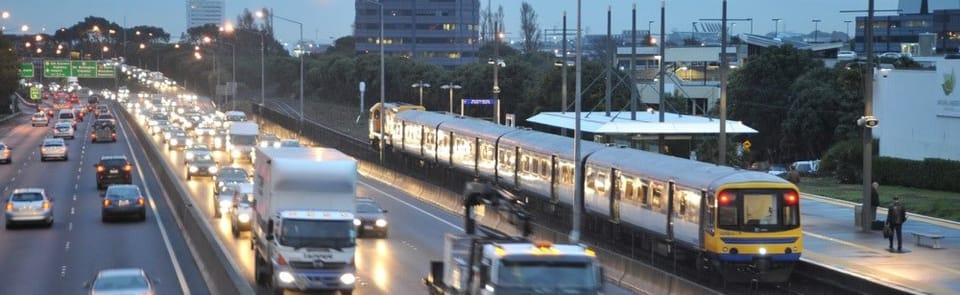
x=201, y=12
x=441, y=32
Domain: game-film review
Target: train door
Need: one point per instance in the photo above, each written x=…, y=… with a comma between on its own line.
x=706, y=217
x=671, y=191
x=554, y=194
x=516, y=166
x=616, y=194
x=477, y=149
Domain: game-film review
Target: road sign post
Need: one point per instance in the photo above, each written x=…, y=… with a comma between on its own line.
x=478, y=101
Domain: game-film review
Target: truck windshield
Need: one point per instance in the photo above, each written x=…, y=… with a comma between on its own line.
x=304, y=233
x=243, y=139
x=550, y=277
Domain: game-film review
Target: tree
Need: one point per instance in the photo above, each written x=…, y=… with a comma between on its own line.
x=815, y=104
x=9, y=63
x=760, y=94
x=530, y=28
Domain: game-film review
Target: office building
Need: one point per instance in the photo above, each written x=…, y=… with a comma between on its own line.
x=441, y=32
x=201, y=12
x=902, y=33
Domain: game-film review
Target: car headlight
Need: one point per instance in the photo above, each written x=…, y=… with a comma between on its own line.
x=193, y=169
x=166, y=136
x=276, y=144
x=189, y=141
x=381, y=222
x=243, y=217
x=346, y=279
x=263, y=144
x=189, y=156
x=356, y=222
x=235, y=153
x=173, y=142
x=212, y=169
x=226, y=203
x=286, y=277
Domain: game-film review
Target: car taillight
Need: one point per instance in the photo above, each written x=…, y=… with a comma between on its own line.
x=46, y=205
x=99, y=168
x=93, y=135
x=106, y=202
x=140, y=201
x=127, y=168
x=9, y=206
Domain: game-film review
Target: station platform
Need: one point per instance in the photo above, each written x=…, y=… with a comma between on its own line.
x=831, y=239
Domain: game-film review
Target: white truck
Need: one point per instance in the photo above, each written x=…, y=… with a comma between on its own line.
x=304, y=235
x=241, y=139
x=493, y=263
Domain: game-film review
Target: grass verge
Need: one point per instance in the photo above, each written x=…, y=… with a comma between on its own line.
x=938, y=204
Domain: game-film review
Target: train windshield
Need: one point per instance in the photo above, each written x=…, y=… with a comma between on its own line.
x=758, y=210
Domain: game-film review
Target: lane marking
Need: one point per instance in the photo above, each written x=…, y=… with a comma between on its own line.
x=153, y=208
x=67, y=247
x=444, y=221
x=70, y=226
x=72, y=211
x=63, y=271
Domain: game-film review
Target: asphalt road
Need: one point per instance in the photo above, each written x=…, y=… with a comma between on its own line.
x=395, y=265
x=58, y=260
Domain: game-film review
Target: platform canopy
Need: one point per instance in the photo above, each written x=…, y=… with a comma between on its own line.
x=646, y=123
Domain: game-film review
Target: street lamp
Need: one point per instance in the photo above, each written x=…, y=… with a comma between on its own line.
x=848, y=28
x=776, y=27
x=383, y=89
x=816, y=26
x=272, y=15
x=421, y=85
x=450, y=86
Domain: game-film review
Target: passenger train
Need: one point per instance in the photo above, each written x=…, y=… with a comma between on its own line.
x=743, y=224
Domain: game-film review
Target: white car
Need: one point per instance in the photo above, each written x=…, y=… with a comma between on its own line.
x=121, y=281
x=846, y=55
x=53, y=148
x=63, y=130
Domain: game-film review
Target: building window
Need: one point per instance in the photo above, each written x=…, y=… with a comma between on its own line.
x=453, y=55
x=449, y=27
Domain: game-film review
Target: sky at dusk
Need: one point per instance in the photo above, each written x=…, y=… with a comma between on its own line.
x=326, y=20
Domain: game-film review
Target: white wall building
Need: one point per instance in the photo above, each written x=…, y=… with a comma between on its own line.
x=201, y=12
x=919, y=112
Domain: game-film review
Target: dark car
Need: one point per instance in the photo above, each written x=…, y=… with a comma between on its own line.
x=201, y=164
x=103, y=130
x=113, y=170
x=229, y=175
x=370, y=219
x=123, y=200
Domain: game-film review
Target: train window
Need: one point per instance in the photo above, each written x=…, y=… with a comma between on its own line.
x=544, y=169
x=487, y=152
x=728, y=211
x=708, y=213
x=644, y=192
x=628, y=191
x=681, y=198
x=535, y=166
x=566, y=173
x=525, y=164
x=758, y=209
x=656, y=194
x=589, y=179
x=601, y=182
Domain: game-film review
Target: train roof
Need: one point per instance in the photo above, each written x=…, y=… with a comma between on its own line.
x=485, y=130
x=546, y=143
x=423, y=118
x=700, y=175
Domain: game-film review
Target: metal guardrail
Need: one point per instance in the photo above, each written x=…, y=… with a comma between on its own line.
x=209, y=253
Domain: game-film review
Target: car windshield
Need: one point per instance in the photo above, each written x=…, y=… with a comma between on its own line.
x=562, y=275
x=53, y=143
x=299, y=233
x=113, y=162
x=246, y=199
x=203, y=157
x=122, y=193
x=27, y=197
x=233, y=174
x=120, y=283
x=243, y=139
x=367, y=207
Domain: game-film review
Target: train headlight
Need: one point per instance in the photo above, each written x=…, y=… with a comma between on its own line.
x=763, y=251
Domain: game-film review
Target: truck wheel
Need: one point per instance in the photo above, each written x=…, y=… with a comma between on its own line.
x=235, y=231
x=346, y=292
x=276, y=291
x=258, y=271
x=216, y=212
x=188, y=175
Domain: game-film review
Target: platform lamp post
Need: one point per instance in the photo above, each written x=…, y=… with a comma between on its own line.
x=816, y=27
x=776, y=26
x=421, y=85
x=450, y=86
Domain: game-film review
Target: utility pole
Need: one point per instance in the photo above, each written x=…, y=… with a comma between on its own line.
x=722, y=157
x=866, y=216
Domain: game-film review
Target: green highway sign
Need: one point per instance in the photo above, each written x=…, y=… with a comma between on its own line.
x=77, y=68
x=57, y=69
x=35, y=93
x=26, y=70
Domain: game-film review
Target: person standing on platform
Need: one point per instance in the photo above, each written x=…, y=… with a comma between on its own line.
x=874, y=198
x=896, y=216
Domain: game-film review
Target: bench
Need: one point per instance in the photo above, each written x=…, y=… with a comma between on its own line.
x=923, y=238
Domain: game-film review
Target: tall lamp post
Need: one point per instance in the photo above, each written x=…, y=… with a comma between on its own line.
x=816, y=27
x=259, y=14
x=383, y=89
x=272, y=15
x=776, y=27
x=421, y=85
x=450, y=86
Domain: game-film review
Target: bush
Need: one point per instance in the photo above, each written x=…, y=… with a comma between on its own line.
x=844, y=161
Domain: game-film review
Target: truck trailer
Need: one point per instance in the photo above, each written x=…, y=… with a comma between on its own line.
x=303, y=235
x=241, y=138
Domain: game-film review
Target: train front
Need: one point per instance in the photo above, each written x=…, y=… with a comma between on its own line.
x=756, y=235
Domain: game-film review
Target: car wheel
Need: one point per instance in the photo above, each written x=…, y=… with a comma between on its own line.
x=10, y=224
x=383, y=235
x=235, y=231
x=50, y=224
x=103, y=218
x=42, y=159
x=65, y=158
x=216, y=212
x=188, y=176
x=143, y=216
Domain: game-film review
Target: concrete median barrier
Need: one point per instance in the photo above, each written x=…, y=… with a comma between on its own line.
x=220, y=273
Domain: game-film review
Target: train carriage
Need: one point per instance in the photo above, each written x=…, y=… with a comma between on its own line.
x=418, y=130
x=473, y=143
x=540, y=163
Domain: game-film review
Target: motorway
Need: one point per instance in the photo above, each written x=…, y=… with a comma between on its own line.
x=395, y=265
x=58, y=260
